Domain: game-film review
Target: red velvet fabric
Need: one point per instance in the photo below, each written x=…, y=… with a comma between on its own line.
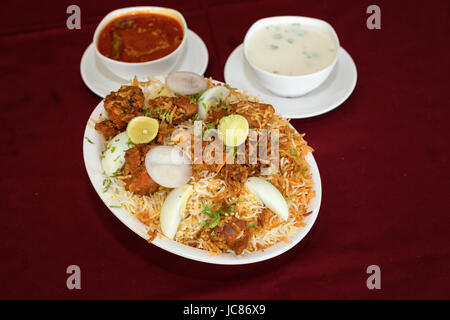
x=383, y=157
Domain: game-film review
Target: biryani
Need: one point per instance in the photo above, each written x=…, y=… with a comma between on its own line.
x=244, y=201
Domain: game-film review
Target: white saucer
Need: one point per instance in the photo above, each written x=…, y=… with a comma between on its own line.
x=101, y=81
x=334, y=91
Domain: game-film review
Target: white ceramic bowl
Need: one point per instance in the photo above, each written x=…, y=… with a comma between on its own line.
x=284, y=85
x=127, y=70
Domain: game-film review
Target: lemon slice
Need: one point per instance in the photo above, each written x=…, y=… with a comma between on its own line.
x=142, y=129
x=233, y=130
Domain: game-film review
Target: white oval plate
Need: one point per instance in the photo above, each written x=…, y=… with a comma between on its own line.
x=329, y=95
x=101, y=81
x=92, y=152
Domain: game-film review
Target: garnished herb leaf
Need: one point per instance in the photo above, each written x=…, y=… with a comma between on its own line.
x=251, y=225
x=130, y=144
x=277, y=36
x=293, y=153
x=195, y=97
x=106, y=184
x=226, y=85
x=215, y=215
x=117, y=172
x=88, y=140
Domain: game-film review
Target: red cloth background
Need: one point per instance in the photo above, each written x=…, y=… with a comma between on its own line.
x=383, y=156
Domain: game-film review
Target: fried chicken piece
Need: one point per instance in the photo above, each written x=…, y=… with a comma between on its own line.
x=135, y=157
x=123, y=105
x=231, y=234
x=252, y=112
x=179, y=109
x=138, y=181
x=107, y=128
x=184, y=103
x=215, y=115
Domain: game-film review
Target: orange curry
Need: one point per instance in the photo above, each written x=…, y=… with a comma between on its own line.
x=140, y=37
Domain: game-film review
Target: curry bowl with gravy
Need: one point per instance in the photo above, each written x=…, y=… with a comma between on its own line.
x=140, y=41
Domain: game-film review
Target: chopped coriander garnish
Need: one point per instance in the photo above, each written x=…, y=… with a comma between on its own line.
x=130, y=144
x=214, y=214
x=211, y=125
x=106, y=184
x=168, y=117
x=239, y=200
x=277, y=36
x=251, y=225
x=195, y=116
x=158, y=111
x=213, y=234
x=194, y=98
x=113, y=149
x=226, y=85
x=117, y=172
x=293, y=153
x=88, y=140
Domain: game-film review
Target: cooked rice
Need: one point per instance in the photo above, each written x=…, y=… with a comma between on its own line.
x=293, y=179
